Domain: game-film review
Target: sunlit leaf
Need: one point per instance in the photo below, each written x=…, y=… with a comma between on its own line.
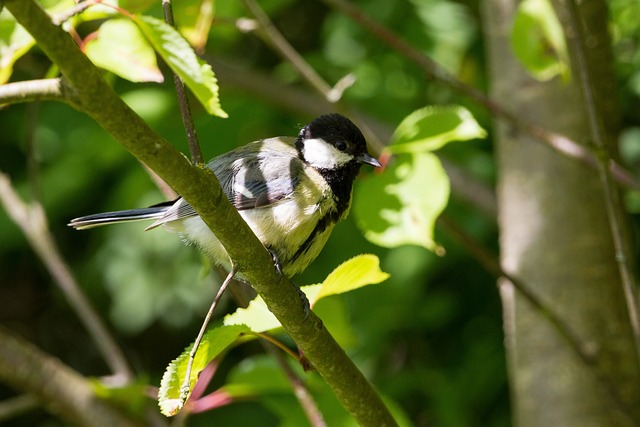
x=538, y=41
x=121, y=48
x=214, y=342
x=256, y=316
x=15, y=41
x=176, y=52
x=432, y=127
x=359, y=271
x=400, y=206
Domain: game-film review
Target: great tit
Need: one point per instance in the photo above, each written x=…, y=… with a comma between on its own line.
x=290, y=191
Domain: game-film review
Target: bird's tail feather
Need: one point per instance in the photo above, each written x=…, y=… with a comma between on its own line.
x=96, y=220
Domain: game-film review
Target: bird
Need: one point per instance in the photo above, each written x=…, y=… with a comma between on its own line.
x=291, y=191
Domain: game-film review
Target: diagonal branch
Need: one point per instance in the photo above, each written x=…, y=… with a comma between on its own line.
x=200, y=188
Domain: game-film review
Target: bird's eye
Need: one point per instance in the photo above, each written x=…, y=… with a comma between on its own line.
x=341, y=145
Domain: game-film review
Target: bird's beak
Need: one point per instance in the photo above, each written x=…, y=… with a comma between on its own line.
x=370, y=160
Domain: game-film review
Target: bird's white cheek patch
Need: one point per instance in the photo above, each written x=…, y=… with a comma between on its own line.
x=319, y=154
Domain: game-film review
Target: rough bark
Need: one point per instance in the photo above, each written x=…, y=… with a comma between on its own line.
x=555, y=238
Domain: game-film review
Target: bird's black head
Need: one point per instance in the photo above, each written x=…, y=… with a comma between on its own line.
x=332, y=142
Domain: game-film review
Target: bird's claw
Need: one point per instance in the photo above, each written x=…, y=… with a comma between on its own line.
x=276, y=261
x=306, y=306
x=303, y=297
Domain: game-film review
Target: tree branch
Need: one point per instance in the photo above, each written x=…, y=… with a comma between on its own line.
x=35, y=90
x=62, y=390
x=200, y=188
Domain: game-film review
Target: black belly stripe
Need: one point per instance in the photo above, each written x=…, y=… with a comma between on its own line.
x=330, y=218
x=341, y=181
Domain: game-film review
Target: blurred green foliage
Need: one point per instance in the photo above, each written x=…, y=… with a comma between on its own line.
x=430, y=339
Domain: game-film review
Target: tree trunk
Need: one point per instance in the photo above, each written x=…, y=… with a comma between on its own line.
x=555, y=239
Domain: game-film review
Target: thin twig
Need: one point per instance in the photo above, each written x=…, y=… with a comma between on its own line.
x=613, y=203
x=276, y=40
x=186, y=384
x=72, y=11
x=168, y=192
x=300, y=390
x=183, y=100
x=32, y=221
x=272, y=36
x=276, y=343
x=558, y=142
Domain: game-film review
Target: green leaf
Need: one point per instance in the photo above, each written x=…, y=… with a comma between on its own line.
x=401, y=205
x=176, y=52
x=256, y=316
x=355, y=273
x=214, y=342
x=15, y=41
x=538, y=41
x=429, y=128
x=359, y=271
x=120, y=47
x=333, y=312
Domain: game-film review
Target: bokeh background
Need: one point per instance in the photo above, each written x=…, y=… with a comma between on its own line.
x=430, y=338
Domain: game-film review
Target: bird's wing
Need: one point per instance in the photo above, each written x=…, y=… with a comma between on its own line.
x=261, y=177
x=252, y=176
